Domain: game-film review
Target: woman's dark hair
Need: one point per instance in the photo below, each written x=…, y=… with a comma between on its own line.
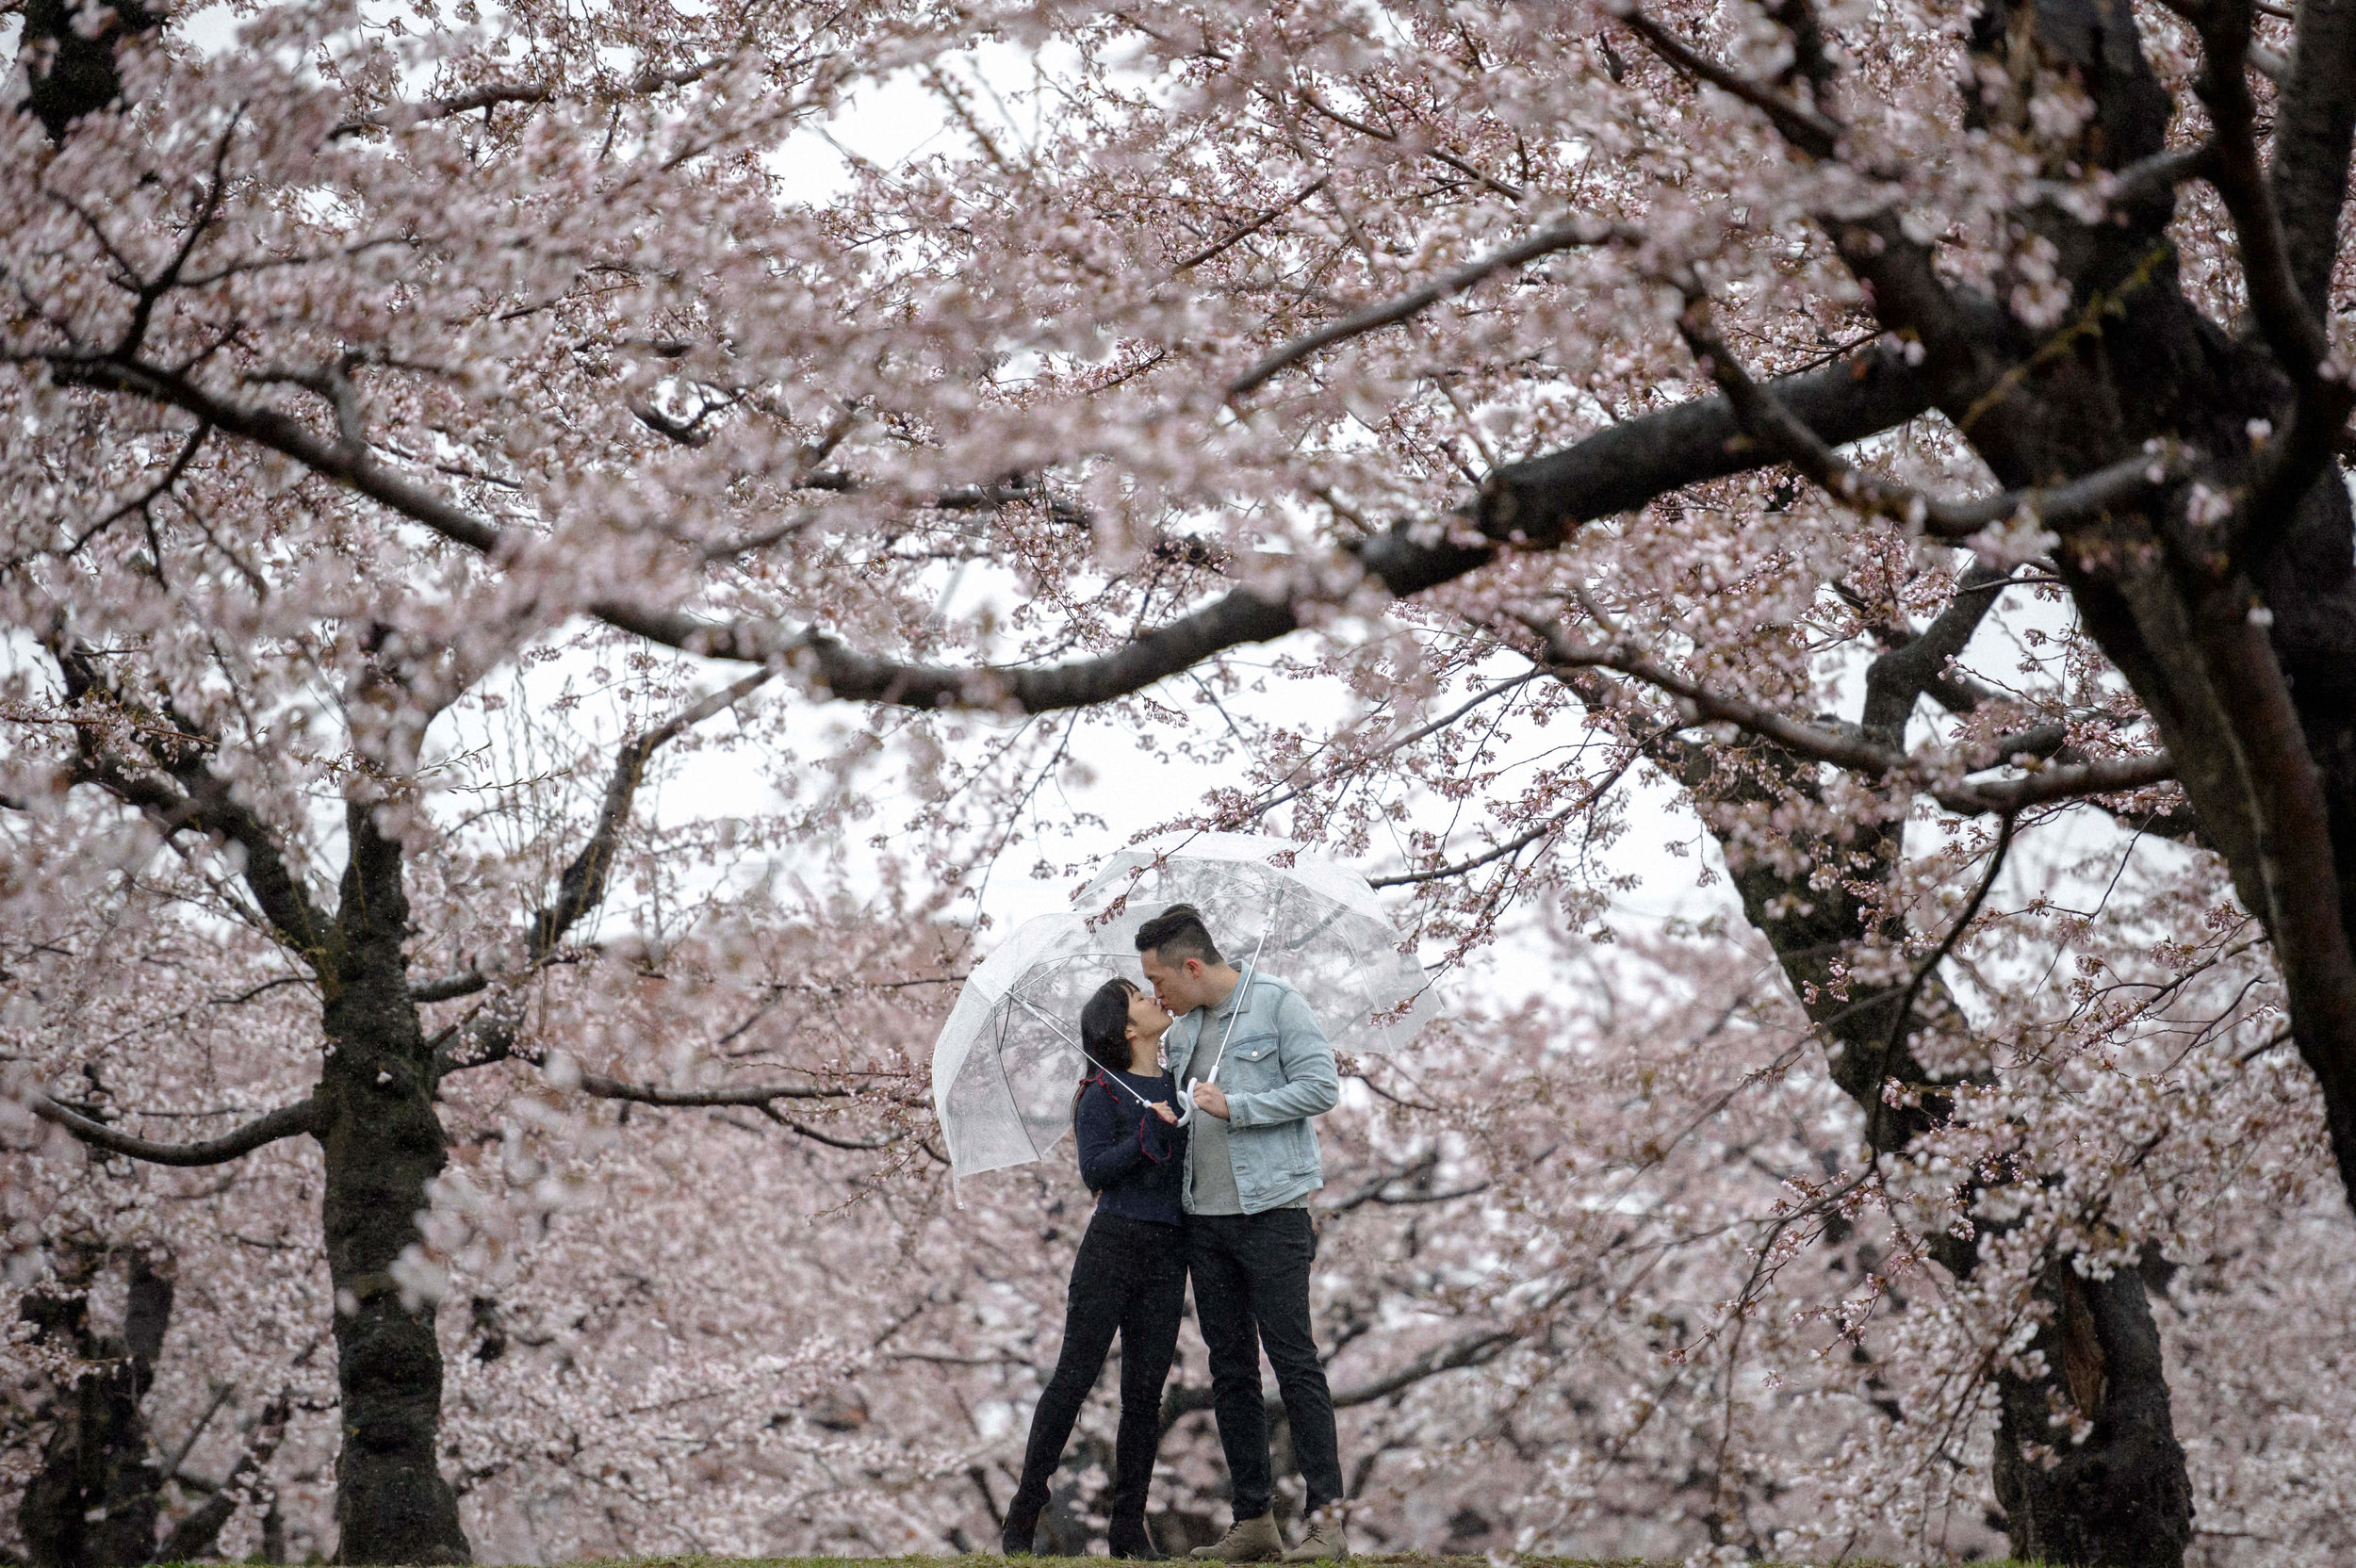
x=1104, y=1034
x=1105, y=1025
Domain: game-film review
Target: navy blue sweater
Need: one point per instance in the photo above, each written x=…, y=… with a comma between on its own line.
x=1129, y=1157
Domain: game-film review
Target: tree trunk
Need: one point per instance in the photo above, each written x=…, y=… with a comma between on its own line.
x=384, y=1141
x=2123, y=1496
x=68, y=73
x=92, y=1504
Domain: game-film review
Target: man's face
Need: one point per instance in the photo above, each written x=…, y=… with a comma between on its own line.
x=1178, y=986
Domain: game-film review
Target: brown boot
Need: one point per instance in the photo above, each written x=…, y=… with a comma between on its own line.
x=1324, y=1540
x=1245, y=1540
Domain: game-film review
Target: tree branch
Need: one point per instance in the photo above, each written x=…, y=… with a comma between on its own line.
x=2133, y=480
x=647, y=1094
x=1806, y=129
x=581, y=888
x=1219, y=247
x=1878, y=1113
x=402, y=116
x=1535, y=504
x=2293, y=331
x=2313, y=116
x=286, y=1122
x=196, y=1536
x=176, y=747
x=1516, y=846
x=1858, y=752
x=1897, y=679
x=1569, y=235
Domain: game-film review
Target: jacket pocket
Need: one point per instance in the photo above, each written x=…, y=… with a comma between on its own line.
x=1251, y=1066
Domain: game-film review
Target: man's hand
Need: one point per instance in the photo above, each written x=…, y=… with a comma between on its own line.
x=1210, y=1098
x=1165, y=1113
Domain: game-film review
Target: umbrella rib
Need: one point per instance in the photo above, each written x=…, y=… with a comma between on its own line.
x=1006, y=1080
x=1044, y=1016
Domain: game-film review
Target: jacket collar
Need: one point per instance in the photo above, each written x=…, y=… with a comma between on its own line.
x=1239, y=996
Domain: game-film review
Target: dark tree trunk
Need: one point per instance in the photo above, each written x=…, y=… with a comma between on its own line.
x=69, y=75
x=92, y=1504
x=2123, y=1496
x=384, y=1141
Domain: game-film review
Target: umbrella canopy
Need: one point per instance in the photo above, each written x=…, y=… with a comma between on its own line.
x=1313, y=921
x=1007, y=1061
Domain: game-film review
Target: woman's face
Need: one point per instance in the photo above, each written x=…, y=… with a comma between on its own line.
x=1146, y=1016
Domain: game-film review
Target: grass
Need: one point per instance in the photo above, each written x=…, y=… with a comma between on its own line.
x=1401, y=1560
x=992, y=1560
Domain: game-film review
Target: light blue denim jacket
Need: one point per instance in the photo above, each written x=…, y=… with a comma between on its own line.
x=1278, y=1072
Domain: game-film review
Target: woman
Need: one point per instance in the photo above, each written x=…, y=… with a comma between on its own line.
x=1130, y=1277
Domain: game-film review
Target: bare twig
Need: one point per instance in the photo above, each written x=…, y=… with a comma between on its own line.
x=1570, y=234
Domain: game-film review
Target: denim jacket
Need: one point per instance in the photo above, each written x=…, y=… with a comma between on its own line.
x=1277, y=1074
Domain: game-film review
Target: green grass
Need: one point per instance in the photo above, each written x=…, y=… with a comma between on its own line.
x=992, y=1560
x=1402, y=1560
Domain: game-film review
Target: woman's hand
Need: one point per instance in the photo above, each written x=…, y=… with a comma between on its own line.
x=1165, y=1113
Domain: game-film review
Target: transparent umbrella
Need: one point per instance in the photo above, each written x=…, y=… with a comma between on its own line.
x=1007, y=1061
x=1312, y=920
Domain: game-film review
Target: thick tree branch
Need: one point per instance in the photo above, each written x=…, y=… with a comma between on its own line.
x=201, y=801
x=286, y=1122
x=2292, y=330
x=1898, y=679
x=2313, y=116
x=1807, y=129
x=649, y=1094
x=1535, y=504
x=2129, y=482
x=402, y=116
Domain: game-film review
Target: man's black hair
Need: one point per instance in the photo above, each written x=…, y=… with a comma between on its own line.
x=1178, y=934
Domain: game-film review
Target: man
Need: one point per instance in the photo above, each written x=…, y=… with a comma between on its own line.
x=1251, y=1163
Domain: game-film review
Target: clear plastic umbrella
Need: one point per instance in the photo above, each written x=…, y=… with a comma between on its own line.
x=1007, y=1061
x=1312, y=921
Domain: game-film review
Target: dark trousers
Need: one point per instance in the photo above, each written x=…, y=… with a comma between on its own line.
x=1130, y=1279
x=1250, y=1290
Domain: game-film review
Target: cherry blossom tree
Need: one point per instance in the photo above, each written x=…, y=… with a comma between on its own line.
x=1634, y=369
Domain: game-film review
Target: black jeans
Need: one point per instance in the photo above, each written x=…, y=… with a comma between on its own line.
x=1251, y=1289
x=1130, y=1278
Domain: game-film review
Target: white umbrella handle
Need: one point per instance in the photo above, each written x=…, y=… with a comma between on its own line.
x=1186, y=1111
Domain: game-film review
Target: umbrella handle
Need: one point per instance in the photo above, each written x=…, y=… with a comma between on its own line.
x=1185, y=1102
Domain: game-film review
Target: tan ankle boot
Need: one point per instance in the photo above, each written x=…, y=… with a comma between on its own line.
x=1323, y=1542
x=1245, y=1540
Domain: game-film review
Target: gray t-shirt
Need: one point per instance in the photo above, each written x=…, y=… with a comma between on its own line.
x=1213, y=1169
x=1212, y=1166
